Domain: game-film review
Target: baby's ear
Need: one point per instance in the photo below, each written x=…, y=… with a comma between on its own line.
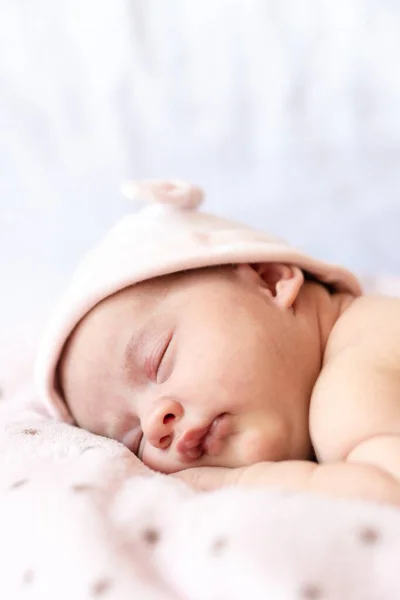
x=283, y=282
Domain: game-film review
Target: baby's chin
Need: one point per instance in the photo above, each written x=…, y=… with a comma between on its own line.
x=176, y=467
x=168, y=465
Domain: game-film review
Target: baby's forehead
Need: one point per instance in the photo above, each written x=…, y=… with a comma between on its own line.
x=138, y=295
x=156, y=288
x=139, y=299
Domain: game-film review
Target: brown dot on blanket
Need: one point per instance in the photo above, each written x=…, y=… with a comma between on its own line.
x=28, y=576
x=311, y=591
x=369, y=536
x=30, y=431
x=100, y=588
x=18, y=484
x=1, y=393
x=151, y=536
x=81, y=487
x=218, y=545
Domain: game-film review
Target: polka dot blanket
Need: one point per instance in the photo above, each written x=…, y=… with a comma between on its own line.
x=81, y=519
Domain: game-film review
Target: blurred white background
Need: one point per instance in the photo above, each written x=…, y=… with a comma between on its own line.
x=286, y=111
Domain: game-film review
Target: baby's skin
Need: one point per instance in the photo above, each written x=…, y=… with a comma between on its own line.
x=241, y=374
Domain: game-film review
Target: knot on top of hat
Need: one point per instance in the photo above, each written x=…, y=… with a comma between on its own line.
x=172, y=191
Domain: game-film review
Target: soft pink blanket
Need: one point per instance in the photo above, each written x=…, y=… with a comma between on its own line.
x=81, y=519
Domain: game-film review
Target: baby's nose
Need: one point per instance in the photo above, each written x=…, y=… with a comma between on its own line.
x=160, y=423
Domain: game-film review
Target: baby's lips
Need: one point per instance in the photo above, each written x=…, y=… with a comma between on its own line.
x=175, y=192
x=191, y=439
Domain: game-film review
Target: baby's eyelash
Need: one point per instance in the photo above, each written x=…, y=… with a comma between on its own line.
x=153, y=362
x=164, y=352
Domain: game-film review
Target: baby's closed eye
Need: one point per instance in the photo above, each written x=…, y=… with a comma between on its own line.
x=158, y=367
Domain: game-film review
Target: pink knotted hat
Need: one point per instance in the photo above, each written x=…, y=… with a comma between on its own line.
x=165, y=237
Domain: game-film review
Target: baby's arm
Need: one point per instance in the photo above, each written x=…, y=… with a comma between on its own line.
x=382, y=451
x=342, y=480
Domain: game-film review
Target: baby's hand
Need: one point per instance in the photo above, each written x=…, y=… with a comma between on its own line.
x=343, y=480
x=265, y=474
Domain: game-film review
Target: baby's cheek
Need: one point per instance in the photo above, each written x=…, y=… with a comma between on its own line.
x=264, y=443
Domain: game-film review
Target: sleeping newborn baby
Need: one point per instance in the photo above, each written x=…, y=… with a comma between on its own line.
x=198, y=342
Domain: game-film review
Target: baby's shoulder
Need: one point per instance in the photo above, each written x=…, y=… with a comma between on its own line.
x=357, y=393
x=371, y=324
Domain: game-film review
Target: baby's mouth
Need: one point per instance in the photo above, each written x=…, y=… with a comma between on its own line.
x=194, y=443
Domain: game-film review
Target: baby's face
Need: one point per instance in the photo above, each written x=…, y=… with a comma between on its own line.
x=192, y=369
